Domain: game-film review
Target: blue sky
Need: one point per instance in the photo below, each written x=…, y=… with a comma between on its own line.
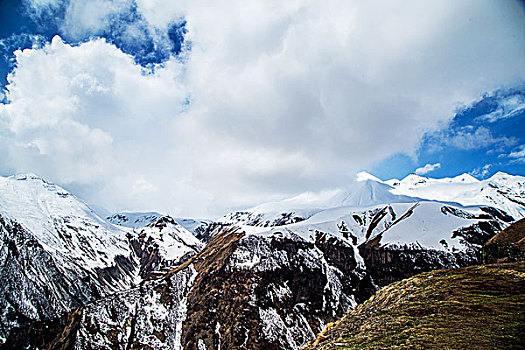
x=197, y=109
x=482, y=139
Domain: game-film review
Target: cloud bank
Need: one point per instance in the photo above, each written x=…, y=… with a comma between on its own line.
x=272, y=99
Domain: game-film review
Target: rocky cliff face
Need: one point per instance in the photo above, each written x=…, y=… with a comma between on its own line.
x=241, y=291
x=55, y=253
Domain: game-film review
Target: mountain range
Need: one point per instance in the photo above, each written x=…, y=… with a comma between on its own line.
x=269, y=277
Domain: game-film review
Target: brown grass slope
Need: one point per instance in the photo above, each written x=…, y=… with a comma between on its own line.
x=506, y=246
x=480, y=307
x=515, y=233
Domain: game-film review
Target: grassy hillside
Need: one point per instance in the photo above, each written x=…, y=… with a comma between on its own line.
x=506, y=246
x=515, y=233
x=481, y=307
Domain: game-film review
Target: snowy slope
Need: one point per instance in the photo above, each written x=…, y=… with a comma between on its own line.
x=173, y=240
x=428, y=225
x=367, y=191
x=133, y=219
x=502, y=191
x=195, y=226
x=64, y=225
x=56, y=253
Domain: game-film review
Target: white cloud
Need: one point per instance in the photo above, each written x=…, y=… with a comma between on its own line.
x=507, y=108
x=469, y=139
x=286, y=97
x=427, y=168
x=481, y=172
x=518, y=155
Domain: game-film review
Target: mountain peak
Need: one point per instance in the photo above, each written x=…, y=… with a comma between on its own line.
x=499, y=175
x=414, y=179
x=466, y=178
x=27, y=176
x=364, y=176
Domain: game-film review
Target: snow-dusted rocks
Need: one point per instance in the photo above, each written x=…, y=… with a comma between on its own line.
x=55, y=254
x=291, y=290
x=163, y=244
x=148, y=317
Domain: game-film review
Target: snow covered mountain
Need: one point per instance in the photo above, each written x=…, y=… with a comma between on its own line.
x=56, y=254
x=275, y=288
x=273, y=276
x=502, y=191
x=133, y=219
x=365, y=192
x=163, y=244
x=270, y=277
x=138, y=220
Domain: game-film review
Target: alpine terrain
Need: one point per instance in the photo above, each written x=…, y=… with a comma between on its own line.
x=269, y=277
x=57, y=254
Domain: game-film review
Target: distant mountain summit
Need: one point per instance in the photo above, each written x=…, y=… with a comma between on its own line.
x=133, y=219
x=502, y=191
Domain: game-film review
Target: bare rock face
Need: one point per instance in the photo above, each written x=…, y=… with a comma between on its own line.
x=34, y=286
x=388, y=263
x=269, y=292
